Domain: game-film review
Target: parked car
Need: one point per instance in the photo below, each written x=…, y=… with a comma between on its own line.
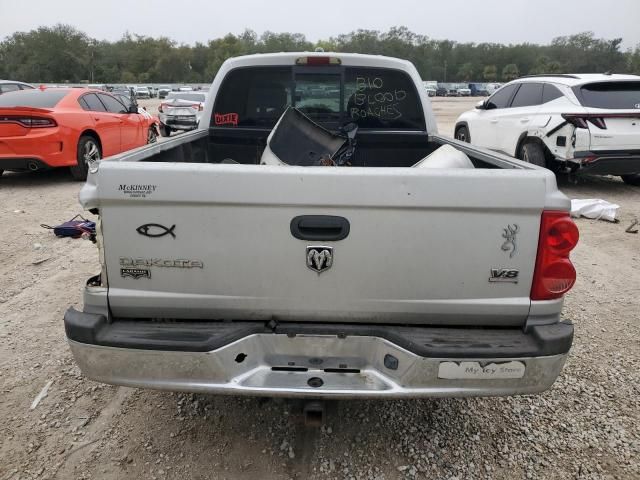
x=401, y=270
x=153, y=92
x=66, y=127
x=464, y=92
x=431, y=87
x=478, y=90
x=13, y=86
x=452, y=92
x=163, y=91
x=143, y=92
x=130, y=104
x=441, y=91
x=98, y=86
x=125, y=90
x=181, y=111
x=185, y=89
x=493, y=87
x=586, y=123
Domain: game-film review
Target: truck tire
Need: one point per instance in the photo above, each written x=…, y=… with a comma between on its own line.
x=633, y=179
x=88, y=151
x=164, y=131
x=462, y=134
x=533, y=153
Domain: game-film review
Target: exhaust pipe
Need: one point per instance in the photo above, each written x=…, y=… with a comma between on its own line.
x=33, y=166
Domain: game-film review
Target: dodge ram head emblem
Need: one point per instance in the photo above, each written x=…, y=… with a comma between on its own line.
x=319, y=258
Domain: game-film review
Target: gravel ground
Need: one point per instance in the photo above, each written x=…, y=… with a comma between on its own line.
x=585, y=427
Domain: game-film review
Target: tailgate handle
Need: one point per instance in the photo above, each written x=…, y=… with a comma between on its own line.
x=320, y=227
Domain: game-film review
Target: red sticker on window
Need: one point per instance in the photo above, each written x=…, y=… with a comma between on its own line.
x=226, y=119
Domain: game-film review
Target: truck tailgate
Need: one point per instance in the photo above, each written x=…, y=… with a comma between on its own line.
x=215, y=241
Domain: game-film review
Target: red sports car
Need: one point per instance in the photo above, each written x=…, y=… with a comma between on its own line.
x=68, y=127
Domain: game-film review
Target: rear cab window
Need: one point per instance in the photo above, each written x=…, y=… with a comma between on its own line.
x=623, y=95
x=34, y=98
x=374, y=98
x=382, y=98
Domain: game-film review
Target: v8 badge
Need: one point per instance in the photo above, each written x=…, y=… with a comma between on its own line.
x=504, y=275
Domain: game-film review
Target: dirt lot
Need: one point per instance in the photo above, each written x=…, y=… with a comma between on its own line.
x=586, y=426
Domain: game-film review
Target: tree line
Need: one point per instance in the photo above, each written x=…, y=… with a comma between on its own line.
x=63, y=53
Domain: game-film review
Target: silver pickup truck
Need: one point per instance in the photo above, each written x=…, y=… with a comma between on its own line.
x=316, y=237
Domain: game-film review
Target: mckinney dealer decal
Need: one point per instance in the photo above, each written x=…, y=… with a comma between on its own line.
x=136, y=190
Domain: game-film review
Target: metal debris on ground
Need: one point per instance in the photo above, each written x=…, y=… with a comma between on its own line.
x=41, y=395
x=40, y=261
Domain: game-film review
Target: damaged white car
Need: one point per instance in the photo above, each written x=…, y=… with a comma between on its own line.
x=585, y=123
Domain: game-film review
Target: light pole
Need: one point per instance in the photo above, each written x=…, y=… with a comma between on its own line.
x=91, y=45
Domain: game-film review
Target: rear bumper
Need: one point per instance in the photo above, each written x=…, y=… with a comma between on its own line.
x=46, y=147
x=172, y=121
x=608, y=163
x=317, y=360
x=20, y=164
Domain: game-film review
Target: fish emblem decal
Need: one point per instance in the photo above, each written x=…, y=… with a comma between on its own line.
x=155, y=230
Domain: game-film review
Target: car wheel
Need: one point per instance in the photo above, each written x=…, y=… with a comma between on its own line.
x=152, y=135
x=462, y=134
x=88, y=152
x=164, y=131
x=533, y=153
x=633, y=179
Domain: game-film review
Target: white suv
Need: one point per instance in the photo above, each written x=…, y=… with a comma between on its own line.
x=588, y=123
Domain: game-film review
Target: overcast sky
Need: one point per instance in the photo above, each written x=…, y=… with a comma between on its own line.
x=505, y=21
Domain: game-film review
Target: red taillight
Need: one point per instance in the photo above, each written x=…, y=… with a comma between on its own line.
x=598, y=122
x=575, y=120
x=580, y=120
x=29, y=122
x=197, y=107
x=40, y=122
x=554, y=274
